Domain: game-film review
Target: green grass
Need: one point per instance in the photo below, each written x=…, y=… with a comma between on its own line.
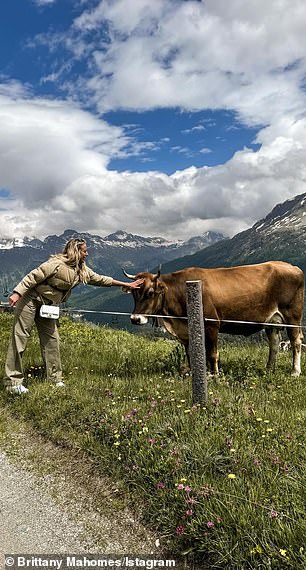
x=224, y=484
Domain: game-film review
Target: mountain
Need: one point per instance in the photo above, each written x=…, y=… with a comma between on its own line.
x=280, y=235
x=106, y=254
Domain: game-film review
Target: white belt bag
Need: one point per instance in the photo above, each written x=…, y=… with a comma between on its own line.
x=49, y=311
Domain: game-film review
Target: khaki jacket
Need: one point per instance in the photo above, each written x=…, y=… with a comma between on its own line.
x=53, y=281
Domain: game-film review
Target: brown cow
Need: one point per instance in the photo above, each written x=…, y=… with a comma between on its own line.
x=271, y=292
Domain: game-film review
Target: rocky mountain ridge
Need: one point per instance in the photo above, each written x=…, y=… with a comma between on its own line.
x=280, y=235
x=106, y=254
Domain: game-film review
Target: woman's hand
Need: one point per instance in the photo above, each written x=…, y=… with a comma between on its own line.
x=14, y=298
x=133, y=285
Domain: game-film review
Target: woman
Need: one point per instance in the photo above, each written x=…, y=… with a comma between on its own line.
x=50, y=283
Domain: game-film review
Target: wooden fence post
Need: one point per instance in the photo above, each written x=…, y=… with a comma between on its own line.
x=196, y=334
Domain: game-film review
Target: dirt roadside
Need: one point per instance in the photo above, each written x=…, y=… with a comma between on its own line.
x=53, y=501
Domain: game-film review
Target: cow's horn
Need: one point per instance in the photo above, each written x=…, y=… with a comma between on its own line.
x=128, y=275
x=157, y=275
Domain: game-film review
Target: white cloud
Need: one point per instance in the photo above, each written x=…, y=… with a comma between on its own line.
x=198, y=55
x=44, y=2
x=54, y=158
x=246, y=57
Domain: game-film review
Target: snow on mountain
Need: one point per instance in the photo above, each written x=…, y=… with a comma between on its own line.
x=119, y=239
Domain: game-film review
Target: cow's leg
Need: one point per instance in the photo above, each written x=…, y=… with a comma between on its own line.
x=186, y=346
x=273, y=338
x=211, y=345
x=273, y=334
x=295, y=335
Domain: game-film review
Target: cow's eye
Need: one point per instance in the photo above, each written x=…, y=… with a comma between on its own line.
x=150, y=293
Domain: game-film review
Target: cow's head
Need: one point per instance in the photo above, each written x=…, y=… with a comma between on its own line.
x=149, y=298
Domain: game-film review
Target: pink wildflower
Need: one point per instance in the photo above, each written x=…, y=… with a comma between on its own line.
x=210, y=524
x=180, y=487
x=189, y=513
x=152, y=440
x=160, y=485
x=273, y=514
x=190, y=501
x=180, y=530
x=187, y=488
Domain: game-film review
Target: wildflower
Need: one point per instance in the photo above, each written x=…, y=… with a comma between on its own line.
x=187, y=488
x=183, y=480
x=152, y=440
x=259, y=419
x=190, y=501
x=160, y=485
x=257, y=550
x=117, y=443
x=283, y=552
x=232, y=450
x=180, y=530
x=269, y=430
x=273, y=514
x=206, y=490
x=180, y=486
x=231, y=476
x=210, y=524
x=189, y=512
x=187, y=411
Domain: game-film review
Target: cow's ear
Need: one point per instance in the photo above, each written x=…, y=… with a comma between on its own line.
x=126, y=289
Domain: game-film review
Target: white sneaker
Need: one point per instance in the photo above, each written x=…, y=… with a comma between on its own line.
x=60, y=384
x=19, y=389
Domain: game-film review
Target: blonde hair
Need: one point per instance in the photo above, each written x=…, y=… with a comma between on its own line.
x=71, y=255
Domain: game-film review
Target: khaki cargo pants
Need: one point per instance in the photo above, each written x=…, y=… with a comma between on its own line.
x=26, y=313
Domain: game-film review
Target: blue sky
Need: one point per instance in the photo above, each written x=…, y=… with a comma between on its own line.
x=167, y=118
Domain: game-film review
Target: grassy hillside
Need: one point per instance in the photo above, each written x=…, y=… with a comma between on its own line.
x=224, y=485
x=245, y=248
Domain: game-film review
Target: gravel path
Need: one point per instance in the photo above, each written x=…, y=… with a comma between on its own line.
x=30, y=521
x=53, y=501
